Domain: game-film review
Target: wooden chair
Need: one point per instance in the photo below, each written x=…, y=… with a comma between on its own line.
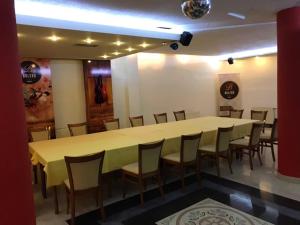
x=270, y=138
x=224, y=110
x=161, y=118
x=259, y=115
x=249, y=144
x=236, y=113
x=38, y=134
x=146, y=167
x=85, y=174
x=78, y=129
x=186, y=157
x=218, y=150
x=113, y=124
x=179, y=115
x=136, y=121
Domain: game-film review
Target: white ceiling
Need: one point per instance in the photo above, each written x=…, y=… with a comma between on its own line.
x=214, y=34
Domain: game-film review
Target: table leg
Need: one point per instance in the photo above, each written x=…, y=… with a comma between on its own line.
x=43, y=182
x=56, y=207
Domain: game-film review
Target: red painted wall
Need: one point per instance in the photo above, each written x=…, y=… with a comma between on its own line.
x=288, y=32
x=15, y=190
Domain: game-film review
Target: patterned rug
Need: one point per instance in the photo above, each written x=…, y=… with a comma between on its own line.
x=210, y=212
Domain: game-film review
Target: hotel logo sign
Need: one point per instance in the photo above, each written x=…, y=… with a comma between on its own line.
x=31, y=72
x=229, y=90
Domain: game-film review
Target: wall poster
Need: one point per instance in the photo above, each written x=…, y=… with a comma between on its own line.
x=98, y=91
x=228, y=93
x=37, y=91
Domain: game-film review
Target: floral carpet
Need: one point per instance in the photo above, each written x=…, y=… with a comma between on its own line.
x=210, y=212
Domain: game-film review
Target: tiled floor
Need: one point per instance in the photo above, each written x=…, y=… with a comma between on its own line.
x=264, y=178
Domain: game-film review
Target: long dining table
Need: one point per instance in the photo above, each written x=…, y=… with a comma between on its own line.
x=121, y=145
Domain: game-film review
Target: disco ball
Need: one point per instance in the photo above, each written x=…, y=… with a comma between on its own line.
x=195, y=9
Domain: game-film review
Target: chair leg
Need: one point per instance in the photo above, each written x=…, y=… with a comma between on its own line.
x=259, y=157
x=72, y=203
x=97, y=197
x=68, y=199
x=273, y=153
x=35, y=175
x=250, y=159
x=218, y=165
x=229, y=161
x=199, y=167
x=161, y=190
x=182, y=172
x=124, y=185
x=100, y=191
x=141, y=187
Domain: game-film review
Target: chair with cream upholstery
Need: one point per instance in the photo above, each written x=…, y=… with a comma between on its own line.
x=78, y=129
x=113, y=124
x=161, y=118
x=186, y=157
x=136, y=121
x=236, y=113
x=218, y=150
x=270, y=137
x=146, y=167
x=259, y=115
x=85, y=174
x=38, y=134
x=179, y=115
x=249, y=144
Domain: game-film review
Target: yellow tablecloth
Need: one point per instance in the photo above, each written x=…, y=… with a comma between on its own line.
x=121, y=145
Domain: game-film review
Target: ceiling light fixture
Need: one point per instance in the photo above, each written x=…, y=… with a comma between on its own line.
x=118, y=43
x=236, y=15
x=89, y=41
x=105, y=56
x=130, y=49
x=144, y=45
x=54, y=38
x=117, y=53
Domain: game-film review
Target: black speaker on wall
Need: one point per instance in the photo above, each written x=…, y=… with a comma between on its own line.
x=186, y=38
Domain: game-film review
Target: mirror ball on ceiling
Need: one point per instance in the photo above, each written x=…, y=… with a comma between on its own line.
x=195, y=9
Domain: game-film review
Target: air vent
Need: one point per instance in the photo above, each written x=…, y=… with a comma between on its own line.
x=165, y=28
x=86, y=45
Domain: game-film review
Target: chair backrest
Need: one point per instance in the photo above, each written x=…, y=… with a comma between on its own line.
x=161, y=118
x=85, y=171
x=274, y=133
x=225, y=110
x=77, y=129
x=258, y=115
x=136, y=121
x=179, y=115
x=223, y=138
x=40, y=134
x=189, y=147
x=113, y=124
x=236, y=113
x=149, y=156
x=256, y=130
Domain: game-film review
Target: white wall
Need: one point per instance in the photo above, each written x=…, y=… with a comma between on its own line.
x=258, y=81
x=68, y=94
x=164, y=83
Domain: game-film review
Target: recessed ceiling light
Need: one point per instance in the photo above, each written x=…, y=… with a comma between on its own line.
x=88, y=40
x=117, y=53
x=54, y=38
x=130, y=49
x=144, y=45
x=118, y=43
x=89, y=61
x=105, y=56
